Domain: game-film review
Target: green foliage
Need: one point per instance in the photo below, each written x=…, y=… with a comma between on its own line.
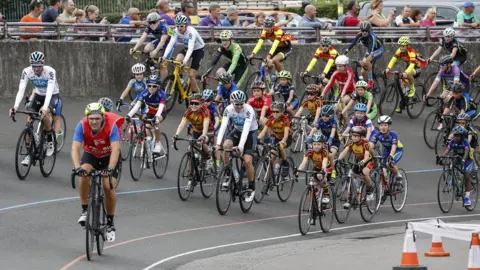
x=324, y=9
x=14, y=9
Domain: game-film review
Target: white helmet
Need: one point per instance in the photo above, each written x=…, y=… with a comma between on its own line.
x=138, y=68
x=37, y=57
x=341, y=60
x=449, y=32
x=385, y=119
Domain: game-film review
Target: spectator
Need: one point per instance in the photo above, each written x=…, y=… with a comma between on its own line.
x=404, y=20
x=281, y=23
x=213, y=18
x=309, y=19
x=36, y=9
x=429, y=19
x=232, y=18
x=133, y=18
x=79, y=16
x=51, y=14
x=258, y=21
x=187, y=9
x=91, y=15
x=350, y=18
x=416, y=15
x=162, y=6
x=378, y=19
x=467, y=18
x=68, y=8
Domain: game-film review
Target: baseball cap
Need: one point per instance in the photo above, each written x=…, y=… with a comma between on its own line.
x=468, y=4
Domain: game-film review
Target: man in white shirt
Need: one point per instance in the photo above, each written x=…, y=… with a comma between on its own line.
x=404, y=20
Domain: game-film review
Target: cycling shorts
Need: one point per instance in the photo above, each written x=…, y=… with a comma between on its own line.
x=417, y=72
x=197, y=56
x=152, y=115
x=289, y=141
x=99, y=163
x=468, y=165
x=285, y=51
x=396, y=157
x=377, y=53
x=295, y=103
x=238, y=73
x=55, y=103
x=251, y=143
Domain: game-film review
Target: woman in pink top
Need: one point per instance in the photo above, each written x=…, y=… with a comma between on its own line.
x=429, y=19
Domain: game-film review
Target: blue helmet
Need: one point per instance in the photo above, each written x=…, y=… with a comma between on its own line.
x=458, y=130
x=153, y=79
x=360, y=107
x=319, y=137
x=327, y=110
x=208, y=94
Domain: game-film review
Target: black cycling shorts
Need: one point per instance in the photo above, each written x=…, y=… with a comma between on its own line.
x=197, y=56
x=250, y=144
x=289, y=141
x=55, y=103
x=238, y=72
x=285, y=50
x=99, y=163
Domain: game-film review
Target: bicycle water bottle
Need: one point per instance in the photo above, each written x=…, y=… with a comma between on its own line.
x=236, y=176
x=149, y=148
x=355, y=181
x=277, y=167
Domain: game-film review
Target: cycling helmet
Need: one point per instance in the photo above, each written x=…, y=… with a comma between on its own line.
x=153, y=17
x=196, y=96
x=360, y=107
x=226, y=35
x=106, y=103
x=404, y=41
x=258, y=85
x=463, y=116
x=238, y=97
x=319, y=137
x=153, y=79
x=341, y=60
x=327, y=110
x=362, y=131
x=446, y=59
x=278, y=105
x=365, y=26
x=208, y=94
x=285, y=74
x=94, y=108
x=312, y=88
x=385, y=119
x=458, y=130
x=326, y=41
x=225, y=78
x=138, y=68
x=457, y=88
x=269, y=21
x=181, y=19
x=449, y=32
x=37, y=57
x=362, y=84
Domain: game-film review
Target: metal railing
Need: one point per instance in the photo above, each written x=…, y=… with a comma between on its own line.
x=16, y=30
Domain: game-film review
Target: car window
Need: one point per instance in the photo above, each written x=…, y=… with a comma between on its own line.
x=446, y=13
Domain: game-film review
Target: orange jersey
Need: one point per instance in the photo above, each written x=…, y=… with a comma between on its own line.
x=317, y=158
x=196, y=119
x=313, y=105
x=359, y=149
x=331, y=53
x=277, y=34
x=410, y=56
x=278, y=126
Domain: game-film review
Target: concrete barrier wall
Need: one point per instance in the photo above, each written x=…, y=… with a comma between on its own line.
x=94, y=68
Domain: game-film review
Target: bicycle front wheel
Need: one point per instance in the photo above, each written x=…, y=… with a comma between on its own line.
x=389, y=100
x=23, y=152
x=342, y=197
x=160, y=160
x=171, y=91
x=126, y=140
x=285, y=184
x=62, y=134
x=429, y=129
x=102, y=219
x=326, y=212
x=440, y=142
x=445, y=191
x=305, y=211
x=223, y=197
x=415, y=104
x=186, y=173
x=399, y=191
x=90, y=228
x=138, y=155
x=47, y=163
x=368, y=209
x=262, y=179
x=248, y=84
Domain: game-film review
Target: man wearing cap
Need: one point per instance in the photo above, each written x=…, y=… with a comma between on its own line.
x=232, y=18
x=466, y=18
x=212, y=19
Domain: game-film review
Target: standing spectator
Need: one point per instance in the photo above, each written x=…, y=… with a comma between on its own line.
x=310, y=20
x=68, y=8
x=416, y=15
x=91, y=15
x=350, y=19
x=233, y=18
x=378, y=19
x=404, y=20
x=258, y=21
x=430, y=17
x=133, y=18
x=187, y=9
x=467, y=18
x=162, y=6
x=51, y=14
x=213, y=18
x=36, y=9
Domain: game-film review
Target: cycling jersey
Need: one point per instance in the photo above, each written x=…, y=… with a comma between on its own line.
x=312, y=105
x=387, y=140
x=412, y=58
x=328, y=56
x=363, y=122
x=285, y=92
x=317, y=159
x=258, y=104
x=371, y=42
x=345, y=80
x=162, y=29
x=367, y=96
x=235, y=55
x=152, y=101
x=459, y=148
x=225, y=93
x=461, y=54
x=44, y=84
x=196, y=119
x=190, y=38
x=453, y=74
x=137, y=86
x=359, y=149
x=463, y=103
x=278, y=37
x=278, y=126
x=213, y=110
x=326, y=128
x=244, y=121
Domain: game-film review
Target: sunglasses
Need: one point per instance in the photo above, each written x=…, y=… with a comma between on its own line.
x=275, y=111
x=181, y=26
x=364, y=31
x=195, y=103
x=443, y=65
x=152, y=86
x=152, y=22
x=310, y=94
x=239, y=104
x=37, y=66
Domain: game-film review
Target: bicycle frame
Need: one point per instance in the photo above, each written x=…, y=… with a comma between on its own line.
x=177, y=83
x=193, y=148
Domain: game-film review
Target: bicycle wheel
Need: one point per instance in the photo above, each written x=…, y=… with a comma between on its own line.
x=473, y=195
x=102, y=222
x=21, y=152
x=47, y=163
x=415, y=104
x=223, y=196
x=429, y=129
x=89, y=228
x=399, y=191
x=368, y=209
x=253, y=77
x=243, y=192
x=285, y=184
x=262, y=179
x=209, y=181
x=341, y=197
x=185, y=175
x=298, y=146
x=137, y=156
x=427, y=83
x=160, y=161
x=119, y=174
x=305, y=210
x=326, y=213
x=445, y=191
x=126, y=140
x=440, y=142
x=171, y=92
x=389, y=100
x=62, y=135
x=475, y=94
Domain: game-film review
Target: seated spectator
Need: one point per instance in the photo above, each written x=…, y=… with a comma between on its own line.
x=132, y=18
x=162, y=6
x=258, y=21
x=213, y=18
x=404, y=20
x=68, y=9
x=36, y=9
x=309, y=19
x=233, y=20
x=378, y=19
x=350, y=18
x=79, y=16
x=416, y=15
x=467, y=18
x=429, y=19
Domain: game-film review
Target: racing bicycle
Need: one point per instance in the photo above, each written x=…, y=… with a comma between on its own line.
x=390, y=186
x=261, y=74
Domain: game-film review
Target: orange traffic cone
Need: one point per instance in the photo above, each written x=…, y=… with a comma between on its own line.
x=474, y=253
x=409, y=255
x=437, y=248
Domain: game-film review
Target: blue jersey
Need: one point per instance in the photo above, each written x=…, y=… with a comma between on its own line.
x=285, y=91
x=459, y=148
x=387, y=140
x=137, y=86
x=162, y=29
x=152, y=101
x=225, y=93
x=213, y=112
x=326, y=128
x=463, y=103
x=371, y=42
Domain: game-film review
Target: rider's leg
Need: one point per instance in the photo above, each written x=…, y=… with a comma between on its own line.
x=277, y=61
x=227, y=145
x=411, y=82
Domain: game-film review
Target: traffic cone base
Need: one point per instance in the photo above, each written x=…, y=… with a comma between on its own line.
x=409, y=268
x=437, y=248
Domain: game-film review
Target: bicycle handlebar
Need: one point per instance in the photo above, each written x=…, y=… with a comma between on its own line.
x=250, y=61
x=147, y=54
x=93, y=173
x=31, y=114
x=123, y=104
x=182, y=139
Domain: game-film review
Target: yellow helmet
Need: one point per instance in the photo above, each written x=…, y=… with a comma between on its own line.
x=94, y=108
x=404, y=41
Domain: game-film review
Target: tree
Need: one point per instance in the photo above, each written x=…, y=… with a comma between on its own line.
x=14, y=9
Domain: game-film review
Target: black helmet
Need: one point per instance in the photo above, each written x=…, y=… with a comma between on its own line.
x=365, y=26
x=446, y=59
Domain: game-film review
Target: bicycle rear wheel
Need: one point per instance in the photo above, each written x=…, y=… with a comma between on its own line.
x=342, y=194
x=445, y=191
x=126, y=140
x=223, y=196
x=368, y=209
x=326, y=212
x=297, y=148
x=209, y=180
x=285, y=184
x=415, y=104
x=186, y=173
x=305, y=211
x=138, y=155
x=262, y=179
x=47, y=163
x=473, y=194
x=62, y=135
x=429, y=129
x=399, y=191
x=160, y=161
x=253, y=77
x=171, y=91
x=427, y=83
x=21, y=152
x=89, y=228
x=389, y=100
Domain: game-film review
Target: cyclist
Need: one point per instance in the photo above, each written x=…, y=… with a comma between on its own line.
x=457, y=51
x=237, y=60
x=374, y=50
x=359, y=119
x=46, y=97
x=328, y=126
x=225, y=87
x=153, y=99
x=100, y=137
x=392, y=147
x=279, y=125
x=460, y=101
x=138, y=84
x=327, y=53
x=361, y=150
x=461, y=148
x=208, y=96
x=281, y=47
x=322, y=163
x=243, y=135
x=413, y=59
x=159, y=29
x=195, y=47
x=260, y=102
x=313, y=103
x=464, y=121
x=287, y=90
x=361, y=95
